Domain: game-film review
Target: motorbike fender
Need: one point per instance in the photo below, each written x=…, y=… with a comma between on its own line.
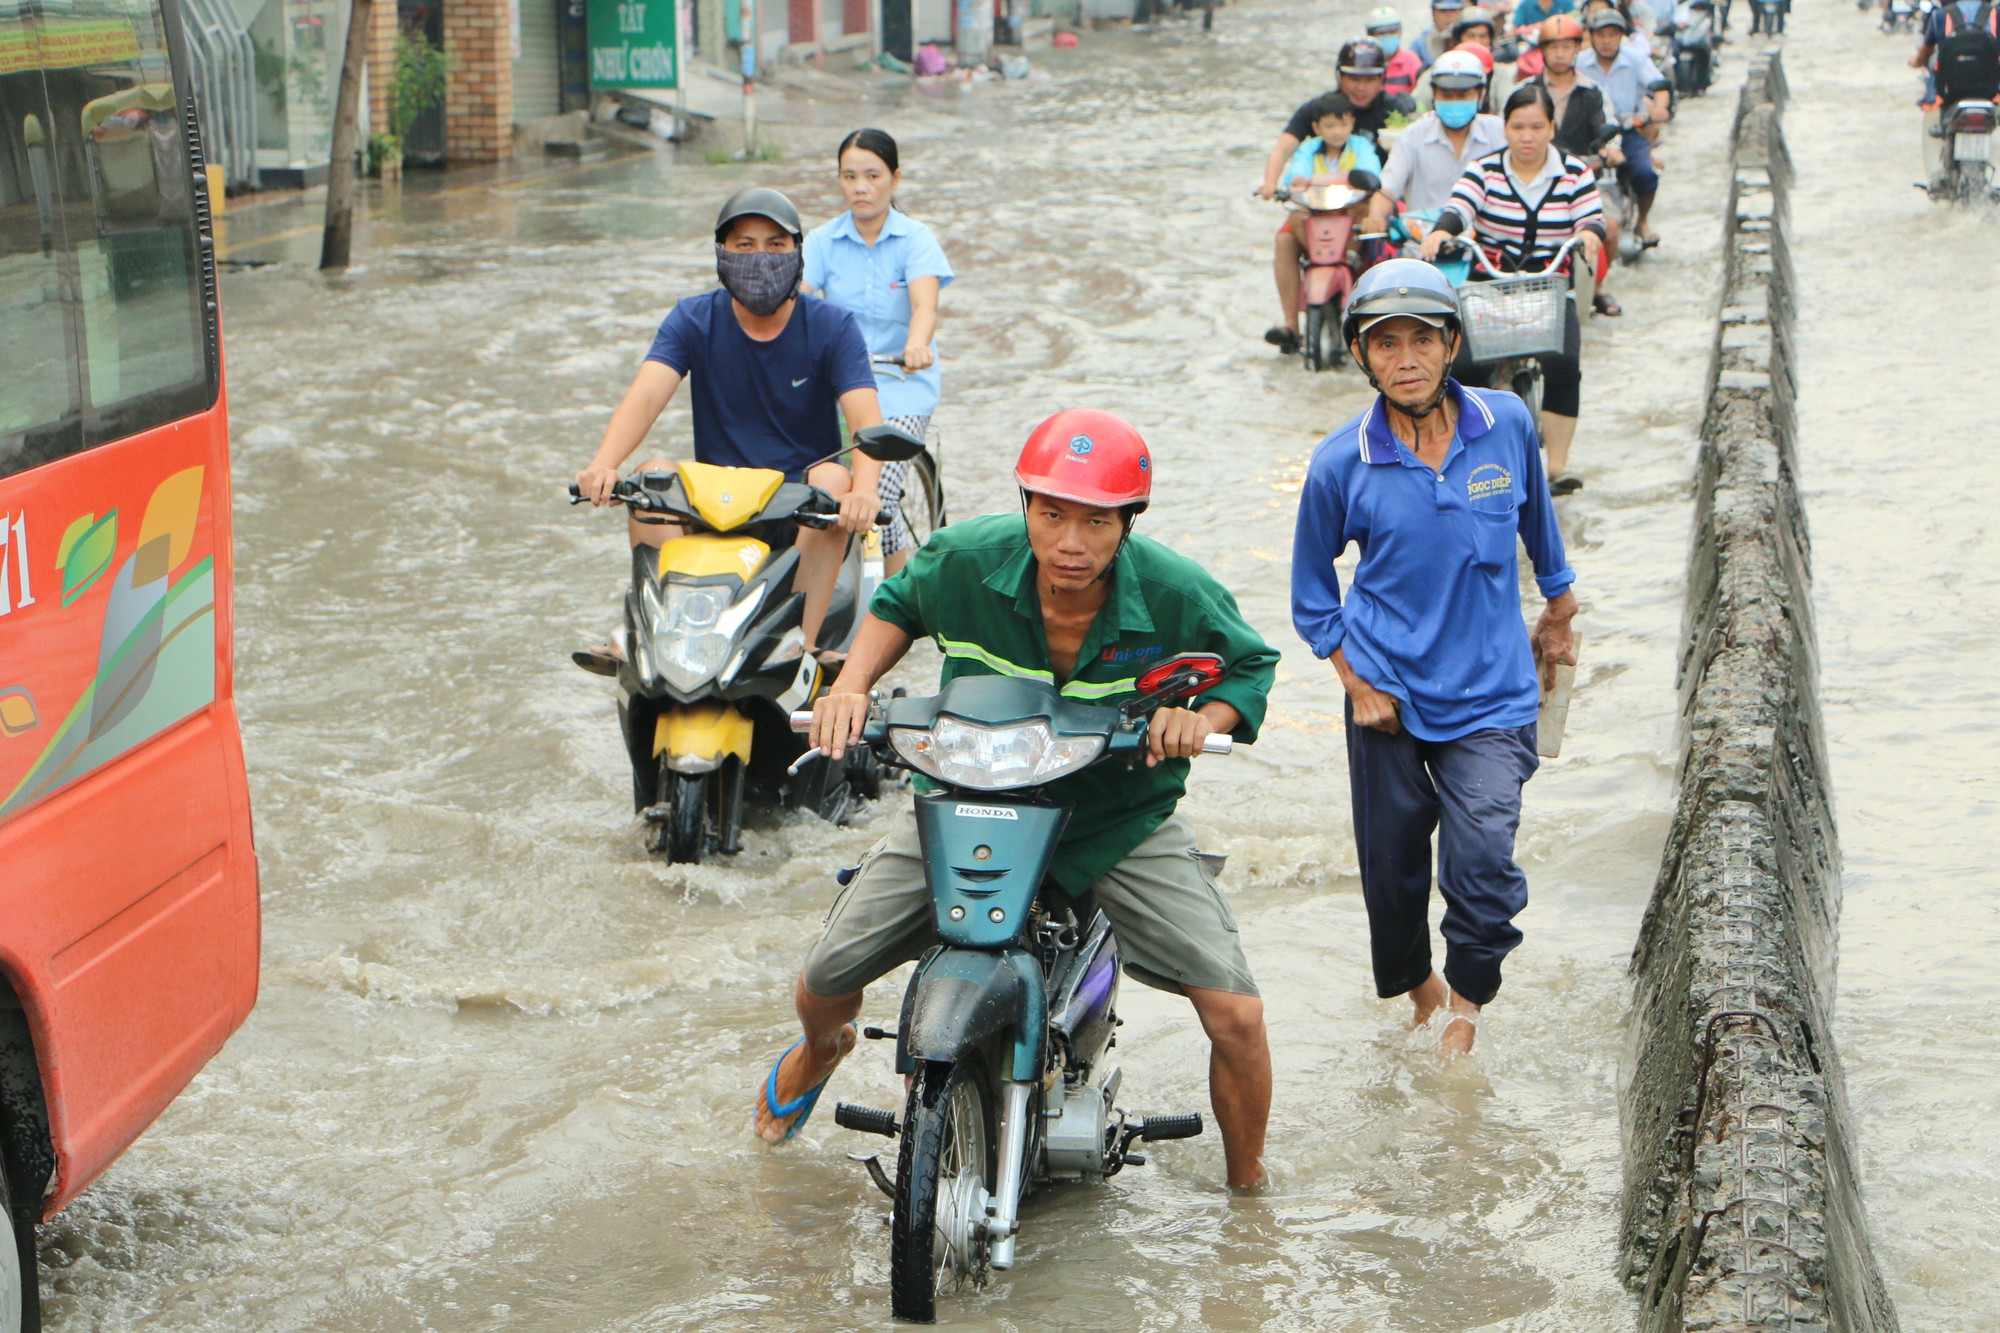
x=1327, y=283
x=960, y=999
x=696, y=738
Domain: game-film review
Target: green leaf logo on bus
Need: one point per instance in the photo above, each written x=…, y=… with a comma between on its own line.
x=156, y=654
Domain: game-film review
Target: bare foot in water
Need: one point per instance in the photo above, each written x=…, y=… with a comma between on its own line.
x=1461, y=1027
x=1428, y=997
x=803, y=1068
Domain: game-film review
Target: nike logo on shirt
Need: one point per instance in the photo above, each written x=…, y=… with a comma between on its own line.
x=801, y=380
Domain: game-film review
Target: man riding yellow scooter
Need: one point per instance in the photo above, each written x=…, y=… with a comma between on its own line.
x=715, y=570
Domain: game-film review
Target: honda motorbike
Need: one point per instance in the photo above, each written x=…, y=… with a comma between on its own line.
x=711, y=656
x=1327, y=269
x=1962, y=159
x=1007, y=1025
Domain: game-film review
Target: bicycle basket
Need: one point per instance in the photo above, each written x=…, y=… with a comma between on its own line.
x=1519, y=315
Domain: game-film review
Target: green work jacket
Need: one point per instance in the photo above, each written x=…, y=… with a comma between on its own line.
x=971, y=588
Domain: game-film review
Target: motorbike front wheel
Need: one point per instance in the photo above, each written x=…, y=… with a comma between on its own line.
x=944, y=1177
x=1523, y=378
x=683, y=837
x=1322, y=342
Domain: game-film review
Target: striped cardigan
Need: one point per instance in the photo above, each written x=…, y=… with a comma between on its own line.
x=1513, y=235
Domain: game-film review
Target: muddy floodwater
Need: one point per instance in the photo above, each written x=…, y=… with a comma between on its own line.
x=501, y=1070
x=1901, y=482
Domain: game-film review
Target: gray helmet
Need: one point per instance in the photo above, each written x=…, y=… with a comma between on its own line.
x=759, y=201
x=1400, y=287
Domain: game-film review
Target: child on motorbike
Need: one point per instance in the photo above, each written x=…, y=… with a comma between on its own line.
x=1335, y=149
x=1335, y=152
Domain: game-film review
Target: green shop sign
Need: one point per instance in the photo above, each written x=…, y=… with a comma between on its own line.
x=634, y=44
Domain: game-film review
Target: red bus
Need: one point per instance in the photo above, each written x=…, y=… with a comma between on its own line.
x=128, y=885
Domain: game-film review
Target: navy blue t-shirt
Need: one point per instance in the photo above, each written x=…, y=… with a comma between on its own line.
x=764, y=404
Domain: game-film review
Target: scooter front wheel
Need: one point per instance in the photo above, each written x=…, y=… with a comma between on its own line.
x=683, y=837
x=1322, y=342
x=944, y=1178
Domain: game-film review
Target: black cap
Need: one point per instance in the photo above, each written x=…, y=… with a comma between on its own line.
x=759, y=201
x=1363, y=56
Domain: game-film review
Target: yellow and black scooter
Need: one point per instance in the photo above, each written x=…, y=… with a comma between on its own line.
x=711, y=658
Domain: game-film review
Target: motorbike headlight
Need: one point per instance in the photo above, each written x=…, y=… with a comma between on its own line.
x=967, y=754
x=695, y=626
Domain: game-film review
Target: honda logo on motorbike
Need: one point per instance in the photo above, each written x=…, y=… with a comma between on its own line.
x=985, y=812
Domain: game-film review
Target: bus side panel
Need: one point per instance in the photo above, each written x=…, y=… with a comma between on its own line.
x=128, y=883
x=129, y=912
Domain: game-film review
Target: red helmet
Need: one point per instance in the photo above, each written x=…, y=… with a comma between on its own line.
x=1088, y=456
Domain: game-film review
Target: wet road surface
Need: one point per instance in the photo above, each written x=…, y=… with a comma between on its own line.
x=1896, y=373
x=501, y=1071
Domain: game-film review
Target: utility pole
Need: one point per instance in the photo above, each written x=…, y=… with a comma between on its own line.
x=339, y=235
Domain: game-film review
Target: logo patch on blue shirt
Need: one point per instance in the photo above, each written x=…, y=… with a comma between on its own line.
x=1491, y=484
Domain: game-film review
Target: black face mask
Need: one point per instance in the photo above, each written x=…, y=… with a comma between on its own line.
x=762, y=280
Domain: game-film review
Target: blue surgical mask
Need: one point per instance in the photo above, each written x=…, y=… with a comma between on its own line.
x=1388, y=42
x=1457, y=115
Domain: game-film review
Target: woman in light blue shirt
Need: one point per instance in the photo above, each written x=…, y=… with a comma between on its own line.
x=887, y=270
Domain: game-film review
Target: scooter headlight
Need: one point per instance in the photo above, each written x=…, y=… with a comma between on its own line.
x=967, y=754
x=695, y=625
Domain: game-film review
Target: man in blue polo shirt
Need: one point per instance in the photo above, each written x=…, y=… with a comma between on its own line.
x=1434, y=482
x=770, y=374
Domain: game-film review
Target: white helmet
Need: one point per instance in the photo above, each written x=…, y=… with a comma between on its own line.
x=1458, y=69
x=1384, y=19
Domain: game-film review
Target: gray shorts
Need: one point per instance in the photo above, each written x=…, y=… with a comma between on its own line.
x=1174, y=928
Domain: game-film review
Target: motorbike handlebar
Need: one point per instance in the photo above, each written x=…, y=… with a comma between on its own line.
x=1479, y=254
x=1219, y=742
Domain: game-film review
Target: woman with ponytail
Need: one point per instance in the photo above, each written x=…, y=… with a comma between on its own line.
x=888, y=271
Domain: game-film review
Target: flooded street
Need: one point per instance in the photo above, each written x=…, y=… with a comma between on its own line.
x=1903, y=552
x=501, y=1070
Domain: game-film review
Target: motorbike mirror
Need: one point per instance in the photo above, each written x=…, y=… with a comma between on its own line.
x=1182, y=677
x=887, y=444
x=1365, y=181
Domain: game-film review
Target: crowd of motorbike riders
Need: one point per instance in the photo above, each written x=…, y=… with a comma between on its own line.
x=1532, y=135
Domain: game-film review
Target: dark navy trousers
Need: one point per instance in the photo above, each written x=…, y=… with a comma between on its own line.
x=1468, y=792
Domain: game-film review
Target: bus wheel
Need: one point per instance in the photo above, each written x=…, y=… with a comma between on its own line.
x=20, y=1299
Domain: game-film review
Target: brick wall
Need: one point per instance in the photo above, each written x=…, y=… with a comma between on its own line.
x=381, y=63
x=479, y=93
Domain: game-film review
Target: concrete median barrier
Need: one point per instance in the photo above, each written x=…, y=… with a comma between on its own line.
x=1742, y=1207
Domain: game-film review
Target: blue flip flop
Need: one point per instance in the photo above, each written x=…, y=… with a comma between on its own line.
x=801, y=1105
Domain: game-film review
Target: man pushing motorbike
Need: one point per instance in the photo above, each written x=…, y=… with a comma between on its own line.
x=1062, y=592
x=771, y=374
x=1435, y=482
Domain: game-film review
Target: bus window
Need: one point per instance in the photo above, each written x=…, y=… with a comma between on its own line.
x=122, y=249
x=38, y=392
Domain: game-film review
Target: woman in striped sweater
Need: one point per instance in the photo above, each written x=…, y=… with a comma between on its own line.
x=1521, y=204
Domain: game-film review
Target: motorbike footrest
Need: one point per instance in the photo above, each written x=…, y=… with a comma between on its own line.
x=1156, y=1128
x=657, y=814
x=869, y=1120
